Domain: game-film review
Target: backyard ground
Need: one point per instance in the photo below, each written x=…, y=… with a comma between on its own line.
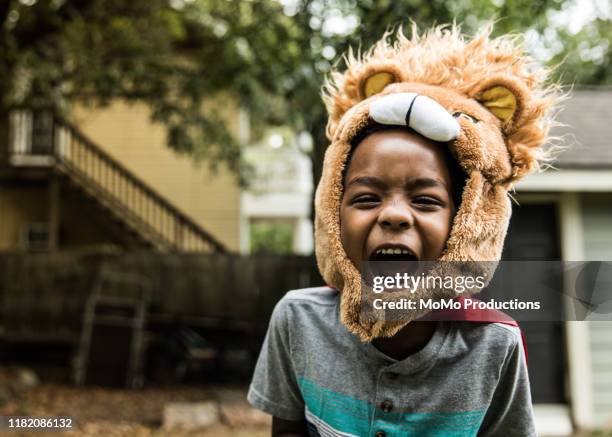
x=120, y=412
x=150, y=411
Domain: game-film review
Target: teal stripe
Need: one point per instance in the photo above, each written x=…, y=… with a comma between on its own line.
x=339, y=411
x=350, y=415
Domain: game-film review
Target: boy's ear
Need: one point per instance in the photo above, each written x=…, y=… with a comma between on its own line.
x=504, y=97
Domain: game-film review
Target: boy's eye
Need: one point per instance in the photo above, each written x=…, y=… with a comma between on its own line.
x=459, y=114
x=428, y=201
x=365, y=200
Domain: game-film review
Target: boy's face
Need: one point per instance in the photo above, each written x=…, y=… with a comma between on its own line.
x=398, y=195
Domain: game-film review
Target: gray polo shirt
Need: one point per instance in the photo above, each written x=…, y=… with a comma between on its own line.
x=470, y=379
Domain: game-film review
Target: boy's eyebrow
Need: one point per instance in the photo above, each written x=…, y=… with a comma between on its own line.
x=424, y=183
x=372, y=181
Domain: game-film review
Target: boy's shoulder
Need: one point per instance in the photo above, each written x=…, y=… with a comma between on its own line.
x=314, y=307
x=318, y=296
x=490, y=336
x=495, y=329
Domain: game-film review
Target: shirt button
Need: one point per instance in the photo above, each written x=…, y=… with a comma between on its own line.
x=386, y=406
x=380, y=434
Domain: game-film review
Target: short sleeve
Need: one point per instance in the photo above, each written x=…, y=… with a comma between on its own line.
x=274, y=388
x=511, y=410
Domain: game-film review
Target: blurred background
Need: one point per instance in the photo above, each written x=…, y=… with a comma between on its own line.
x=157, y=166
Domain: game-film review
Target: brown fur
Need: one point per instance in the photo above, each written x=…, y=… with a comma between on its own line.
x=493, y=153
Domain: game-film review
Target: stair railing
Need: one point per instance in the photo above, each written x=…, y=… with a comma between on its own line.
x=156, y=217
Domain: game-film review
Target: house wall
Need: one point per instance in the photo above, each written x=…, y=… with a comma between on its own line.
x=597, y=224
x=81, y=223
x=20, y=205
x=127, y=134
x=84, y=224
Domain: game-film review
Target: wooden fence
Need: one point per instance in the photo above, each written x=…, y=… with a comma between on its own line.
x=42, y=296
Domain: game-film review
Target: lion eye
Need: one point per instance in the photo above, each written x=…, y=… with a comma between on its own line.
x=466, y=116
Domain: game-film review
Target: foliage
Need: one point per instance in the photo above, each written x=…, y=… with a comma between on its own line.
x=586, y=56
x=271, y=237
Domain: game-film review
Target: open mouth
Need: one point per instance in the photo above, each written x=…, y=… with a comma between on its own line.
x=379, y=264
x=393, y=253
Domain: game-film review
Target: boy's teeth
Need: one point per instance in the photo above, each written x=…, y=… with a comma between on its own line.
x=392, y=251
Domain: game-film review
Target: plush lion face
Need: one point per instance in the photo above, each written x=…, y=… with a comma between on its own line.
x=481, y=97
x=480, y=144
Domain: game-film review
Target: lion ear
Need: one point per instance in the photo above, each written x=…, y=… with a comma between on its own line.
x=500, y=101
x=376, y=82
x=504, y=98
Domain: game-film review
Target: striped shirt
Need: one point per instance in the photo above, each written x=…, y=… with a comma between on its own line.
x=470, y=379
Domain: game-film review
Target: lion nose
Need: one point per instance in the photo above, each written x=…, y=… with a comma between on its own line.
x=421, y=113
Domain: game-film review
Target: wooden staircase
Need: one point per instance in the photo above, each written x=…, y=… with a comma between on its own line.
x=116, y=189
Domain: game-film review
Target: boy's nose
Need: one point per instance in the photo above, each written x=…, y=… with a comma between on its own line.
x=396, y=217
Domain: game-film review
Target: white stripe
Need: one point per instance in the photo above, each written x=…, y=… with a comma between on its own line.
x=325, y=429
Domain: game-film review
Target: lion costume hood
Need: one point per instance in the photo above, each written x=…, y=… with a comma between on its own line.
x=482, y=97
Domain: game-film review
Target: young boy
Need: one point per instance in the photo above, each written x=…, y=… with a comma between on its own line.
x=419, y=171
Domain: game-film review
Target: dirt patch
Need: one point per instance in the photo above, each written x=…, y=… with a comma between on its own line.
x=110, y=412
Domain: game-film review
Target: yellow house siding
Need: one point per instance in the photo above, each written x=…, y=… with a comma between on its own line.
x=80, y=222
x=126, y=133
x=83, y=224
x=20, y=206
